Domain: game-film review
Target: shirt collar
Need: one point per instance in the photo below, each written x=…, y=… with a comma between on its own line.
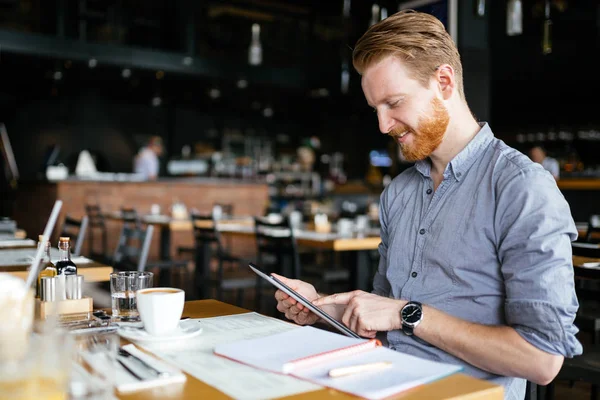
x=463, y=160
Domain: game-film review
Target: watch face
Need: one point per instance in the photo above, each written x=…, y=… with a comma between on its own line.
x=411, y=313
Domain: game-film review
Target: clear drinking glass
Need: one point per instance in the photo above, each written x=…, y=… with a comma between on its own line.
x=123, y=286
x=43, y=369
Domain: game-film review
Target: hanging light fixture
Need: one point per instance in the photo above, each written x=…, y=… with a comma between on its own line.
x=384, y=13
x=346, y=8
x=255, y=51
x=547, y=39
x=374, y=14
x=514, y=18
x=480, y=8
x=345, y=78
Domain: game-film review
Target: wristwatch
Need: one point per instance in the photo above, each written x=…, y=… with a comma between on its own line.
x=411, y=316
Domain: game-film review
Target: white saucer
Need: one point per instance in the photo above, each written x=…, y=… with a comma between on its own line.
x=185, y=330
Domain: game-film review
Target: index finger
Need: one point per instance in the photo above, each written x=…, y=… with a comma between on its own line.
x=338, y=298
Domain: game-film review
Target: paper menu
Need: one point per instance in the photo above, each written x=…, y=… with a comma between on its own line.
x=195, y=356
x=275, y=352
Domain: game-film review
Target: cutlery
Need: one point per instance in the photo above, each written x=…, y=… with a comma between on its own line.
x=136, y=376
x=161, y=374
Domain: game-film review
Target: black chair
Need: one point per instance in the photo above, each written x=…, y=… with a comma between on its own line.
x=76, y=230
x=277, y=250
x=583, y=368
x=133, y=248
x=97, y=224
x=130, y=217
x=132, y=254
x=232, y=274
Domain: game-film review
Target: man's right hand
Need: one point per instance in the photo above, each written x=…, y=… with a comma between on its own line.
x=290, y=307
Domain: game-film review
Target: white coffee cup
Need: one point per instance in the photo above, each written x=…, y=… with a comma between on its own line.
x=160, y=309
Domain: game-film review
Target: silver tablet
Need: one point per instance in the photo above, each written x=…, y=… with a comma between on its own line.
x=305, y=302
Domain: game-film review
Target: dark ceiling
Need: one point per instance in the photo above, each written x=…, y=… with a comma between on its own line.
x=197, y=45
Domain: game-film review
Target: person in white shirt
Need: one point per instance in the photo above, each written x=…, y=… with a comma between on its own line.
x=146, y=161
x=538, y=155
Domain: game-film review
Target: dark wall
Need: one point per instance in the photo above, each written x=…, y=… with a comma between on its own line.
x=531, y=90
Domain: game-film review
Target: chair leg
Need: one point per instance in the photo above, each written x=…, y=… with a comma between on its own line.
x=550, y=391
x=594, y=394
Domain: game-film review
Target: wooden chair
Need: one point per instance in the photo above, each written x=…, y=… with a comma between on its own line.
x=76, y=230
x=232, y=274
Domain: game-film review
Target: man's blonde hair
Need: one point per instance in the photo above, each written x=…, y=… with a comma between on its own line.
x=418, y=39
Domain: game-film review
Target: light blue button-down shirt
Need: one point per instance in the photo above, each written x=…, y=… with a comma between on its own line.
x=492, y=245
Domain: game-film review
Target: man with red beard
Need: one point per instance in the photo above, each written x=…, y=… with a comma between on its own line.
x=475, y=255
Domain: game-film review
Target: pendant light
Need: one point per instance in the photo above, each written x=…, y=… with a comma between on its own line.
x=374, y=14
x=255, y=50
x=547, y=39
x=514, y=18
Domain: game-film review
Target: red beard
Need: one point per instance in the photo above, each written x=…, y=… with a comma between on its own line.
x=428, y=135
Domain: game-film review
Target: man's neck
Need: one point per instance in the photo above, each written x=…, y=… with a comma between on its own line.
x=461, y=130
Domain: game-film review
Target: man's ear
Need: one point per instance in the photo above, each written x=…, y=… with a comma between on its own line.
x=445, y=80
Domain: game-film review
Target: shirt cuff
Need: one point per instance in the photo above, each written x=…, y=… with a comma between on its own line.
x=546, y=326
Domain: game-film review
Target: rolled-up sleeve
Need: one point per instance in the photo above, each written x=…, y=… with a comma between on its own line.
x=381, y=286
x=534, y=230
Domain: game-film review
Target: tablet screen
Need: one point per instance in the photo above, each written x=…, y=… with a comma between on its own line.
x=305, y=302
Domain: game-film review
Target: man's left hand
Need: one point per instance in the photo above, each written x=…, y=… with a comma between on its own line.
x=366, y=313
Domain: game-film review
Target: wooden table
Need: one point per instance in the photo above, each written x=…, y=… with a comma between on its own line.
x=454, y=387
x=92, y=271
x=581, y=272
x=244, y=227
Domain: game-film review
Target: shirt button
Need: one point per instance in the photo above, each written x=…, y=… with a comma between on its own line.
x=429, y=191
x=414, y=274
x=459, y=174
x=422, y=231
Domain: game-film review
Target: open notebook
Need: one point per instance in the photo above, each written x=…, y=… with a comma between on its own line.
x=310, y=353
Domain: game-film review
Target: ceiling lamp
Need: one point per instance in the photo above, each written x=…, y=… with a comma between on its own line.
x=255, y=51
x=374, y=14
x=514, y=18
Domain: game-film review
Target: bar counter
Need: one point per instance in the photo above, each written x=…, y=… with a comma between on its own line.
x=35, y=201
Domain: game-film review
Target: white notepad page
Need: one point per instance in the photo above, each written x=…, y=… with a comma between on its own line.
x=274, y=352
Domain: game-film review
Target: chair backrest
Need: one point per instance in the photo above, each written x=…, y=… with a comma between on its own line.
x=275, y=241
x=95, y=216
x=76, y=230
x=130, y=217
x=593, y=227
x=205, y=231
x=133, y=247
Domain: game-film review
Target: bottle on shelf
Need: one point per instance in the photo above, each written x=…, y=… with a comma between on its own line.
x=47, y=268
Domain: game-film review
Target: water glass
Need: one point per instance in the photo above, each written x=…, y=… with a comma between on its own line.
x=43, y=369
x=123, y=286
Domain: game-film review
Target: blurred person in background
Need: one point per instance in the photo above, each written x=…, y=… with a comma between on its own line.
x=538, y=154
x=146, y=161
